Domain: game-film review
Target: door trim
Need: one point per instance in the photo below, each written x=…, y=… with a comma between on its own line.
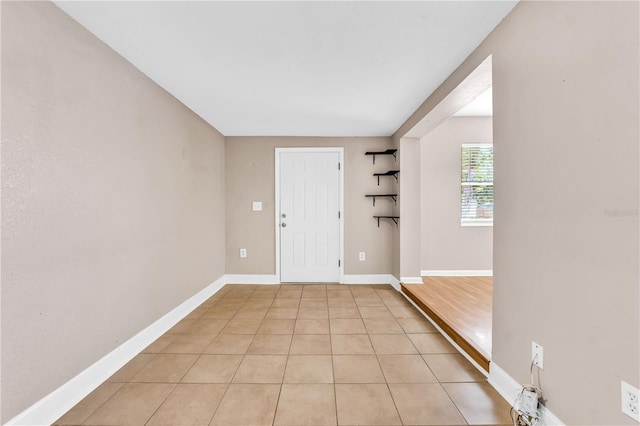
x=340, y=152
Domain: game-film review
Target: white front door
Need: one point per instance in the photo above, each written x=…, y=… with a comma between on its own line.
x=309, y=215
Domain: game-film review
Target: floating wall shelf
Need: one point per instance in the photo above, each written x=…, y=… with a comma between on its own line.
x=394, y=218
x=387, y=152
x=394, y=197
x=393, y=173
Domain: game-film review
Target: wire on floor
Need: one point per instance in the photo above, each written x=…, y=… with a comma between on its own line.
x=525, y=410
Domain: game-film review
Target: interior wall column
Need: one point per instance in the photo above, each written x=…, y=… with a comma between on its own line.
x=410, y=210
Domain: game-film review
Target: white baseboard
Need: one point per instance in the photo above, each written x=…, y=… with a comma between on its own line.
x=369, y=279
x=506, y=385
x=395, y=282
x=348, y=279
x=53, y=406
x=457, y=273
x=411, y=280
x=509, y=388
x=250, y=279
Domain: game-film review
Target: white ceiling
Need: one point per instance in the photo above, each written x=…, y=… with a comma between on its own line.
x=295, y=68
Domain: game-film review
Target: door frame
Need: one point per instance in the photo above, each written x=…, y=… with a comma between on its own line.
x=340, y=152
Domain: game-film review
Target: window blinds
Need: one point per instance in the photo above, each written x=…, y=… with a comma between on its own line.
x=477, y=183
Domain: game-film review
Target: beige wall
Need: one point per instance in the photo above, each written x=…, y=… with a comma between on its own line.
x=113, y=205
x=112, y=202
x=395, y=233
x=567, y=184
x=250, y=165
x=445, y=245
x=409, y=210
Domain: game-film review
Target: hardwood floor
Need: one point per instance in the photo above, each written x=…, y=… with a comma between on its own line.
x=461, y=306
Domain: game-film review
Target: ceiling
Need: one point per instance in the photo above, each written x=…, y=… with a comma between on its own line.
x=295, y=68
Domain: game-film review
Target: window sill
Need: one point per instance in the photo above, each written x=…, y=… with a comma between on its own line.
x=476, y=222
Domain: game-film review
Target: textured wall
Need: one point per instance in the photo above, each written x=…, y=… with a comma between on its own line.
x=112, y=202
x=250, y=164
x=410, y=210
x=567, y=186
x=445, y=244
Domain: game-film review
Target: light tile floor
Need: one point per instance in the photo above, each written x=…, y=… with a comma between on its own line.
x=296, y=355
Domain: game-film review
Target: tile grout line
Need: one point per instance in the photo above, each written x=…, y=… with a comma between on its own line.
x=275, y=412
x=96, y=410
x=286, y=365
x=333, y=370
x=234, y=374
x=175, y=385
x=245, y=303
x=454, y=403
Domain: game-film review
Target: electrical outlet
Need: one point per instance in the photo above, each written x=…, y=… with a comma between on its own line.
x=537, y=355
x=257, y=206
x=630, y=401
x=361, y=256
x=243, y=252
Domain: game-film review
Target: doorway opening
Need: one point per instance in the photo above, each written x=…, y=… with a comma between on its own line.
x=456, y=214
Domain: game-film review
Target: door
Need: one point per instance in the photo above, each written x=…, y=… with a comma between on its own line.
x=309, y=215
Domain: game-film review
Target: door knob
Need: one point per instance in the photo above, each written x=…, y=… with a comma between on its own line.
x=284, y=225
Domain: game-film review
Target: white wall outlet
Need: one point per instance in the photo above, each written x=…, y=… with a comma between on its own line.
x=243, y=252
x=257, y=206
x=361, y=256
x=630, y=401
x=537, y=355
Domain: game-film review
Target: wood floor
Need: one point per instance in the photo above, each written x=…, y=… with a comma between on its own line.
x=461, y=306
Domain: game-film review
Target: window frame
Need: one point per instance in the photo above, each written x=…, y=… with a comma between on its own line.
x=473, y=221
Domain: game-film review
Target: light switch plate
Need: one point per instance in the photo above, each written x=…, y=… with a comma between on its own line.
x=257, y=206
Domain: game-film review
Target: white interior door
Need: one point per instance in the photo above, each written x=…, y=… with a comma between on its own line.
x=309, y=216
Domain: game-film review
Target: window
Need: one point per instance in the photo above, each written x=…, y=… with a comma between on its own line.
x=476, y=207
